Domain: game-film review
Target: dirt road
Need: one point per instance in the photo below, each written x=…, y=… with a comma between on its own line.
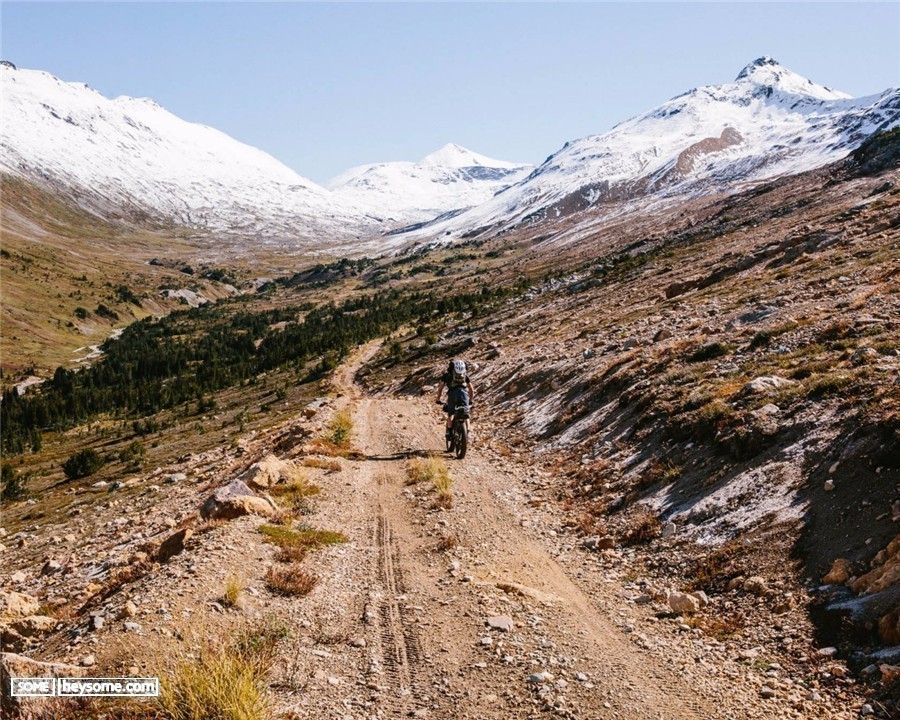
x=414, y=616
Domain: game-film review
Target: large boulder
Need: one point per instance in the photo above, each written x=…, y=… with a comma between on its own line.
x=12, y=665
x=235, y=500
x=268, y=471
x=15, y=604
x=683, y=603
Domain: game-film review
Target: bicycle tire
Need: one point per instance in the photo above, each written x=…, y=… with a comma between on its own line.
x=462, y=442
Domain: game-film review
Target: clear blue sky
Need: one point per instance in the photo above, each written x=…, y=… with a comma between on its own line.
x=324, y=87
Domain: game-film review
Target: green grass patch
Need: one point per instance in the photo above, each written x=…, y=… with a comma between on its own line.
x=303, y=537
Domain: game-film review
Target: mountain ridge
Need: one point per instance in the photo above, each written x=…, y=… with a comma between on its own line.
x=132, y=154
x=787, y=125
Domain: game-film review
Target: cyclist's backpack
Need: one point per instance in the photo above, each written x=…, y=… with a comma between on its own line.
x=457, y=371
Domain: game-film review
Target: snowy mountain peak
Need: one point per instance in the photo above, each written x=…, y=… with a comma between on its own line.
x=769, y=72
x=769, y=122
x=758, y=65
x=456, y=156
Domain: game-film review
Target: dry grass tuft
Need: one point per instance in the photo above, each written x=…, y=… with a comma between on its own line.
x=291, y=553
x=234, y=588
x=340, y=428
x=293, y=495
x=209, y=525
x=589, y=524
x=290, y=579
x=432, y=470
x=721, y=627
x=713, y=572
x=328, y=448
x=226, y=683
x=330, y=466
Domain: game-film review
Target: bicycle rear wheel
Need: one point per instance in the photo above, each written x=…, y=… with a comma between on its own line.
x=462, y=441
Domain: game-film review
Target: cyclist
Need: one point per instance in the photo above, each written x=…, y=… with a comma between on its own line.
x=459, y=391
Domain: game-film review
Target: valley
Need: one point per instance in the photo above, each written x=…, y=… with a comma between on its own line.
x=681, y=500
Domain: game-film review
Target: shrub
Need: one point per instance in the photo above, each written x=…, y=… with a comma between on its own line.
x=712, y=573
x=13, y=485
x=830, y=385
x=709, y=351
x=125, y=294
x=134, y=451
x=447, y=542
x=291, y=554
x=645, y=526
x=83, y=463
x=765, y=336
x=291, y=580
x=303, y=537
x=106, y=312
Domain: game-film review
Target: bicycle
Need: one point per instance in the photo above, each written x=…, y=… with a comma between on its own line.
x=458, y=440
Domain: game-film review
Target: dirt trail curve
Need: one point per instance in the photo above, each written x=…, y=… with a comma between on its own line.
x=428, y=651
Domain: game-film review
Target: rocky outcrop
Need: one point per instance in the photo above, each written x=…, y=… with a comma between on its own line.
x=885, y=571
x=15, y=604
x=13, y=665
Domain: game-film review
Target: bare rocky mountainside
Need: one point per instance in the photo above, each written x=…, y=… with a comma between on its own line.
x=682, y=492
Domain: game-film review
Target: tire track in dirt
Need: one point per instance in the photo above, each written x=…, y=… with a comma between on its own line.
x=398, y=643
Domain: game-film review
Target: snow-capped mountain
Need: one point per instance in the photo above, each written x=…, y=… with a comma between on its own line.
x=769, y=122
x=130, y=154
x=450, y=179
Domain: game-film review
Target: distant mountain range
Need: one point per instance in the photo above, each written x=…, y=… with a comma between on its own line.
x=129, y=157
x=769, y=122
